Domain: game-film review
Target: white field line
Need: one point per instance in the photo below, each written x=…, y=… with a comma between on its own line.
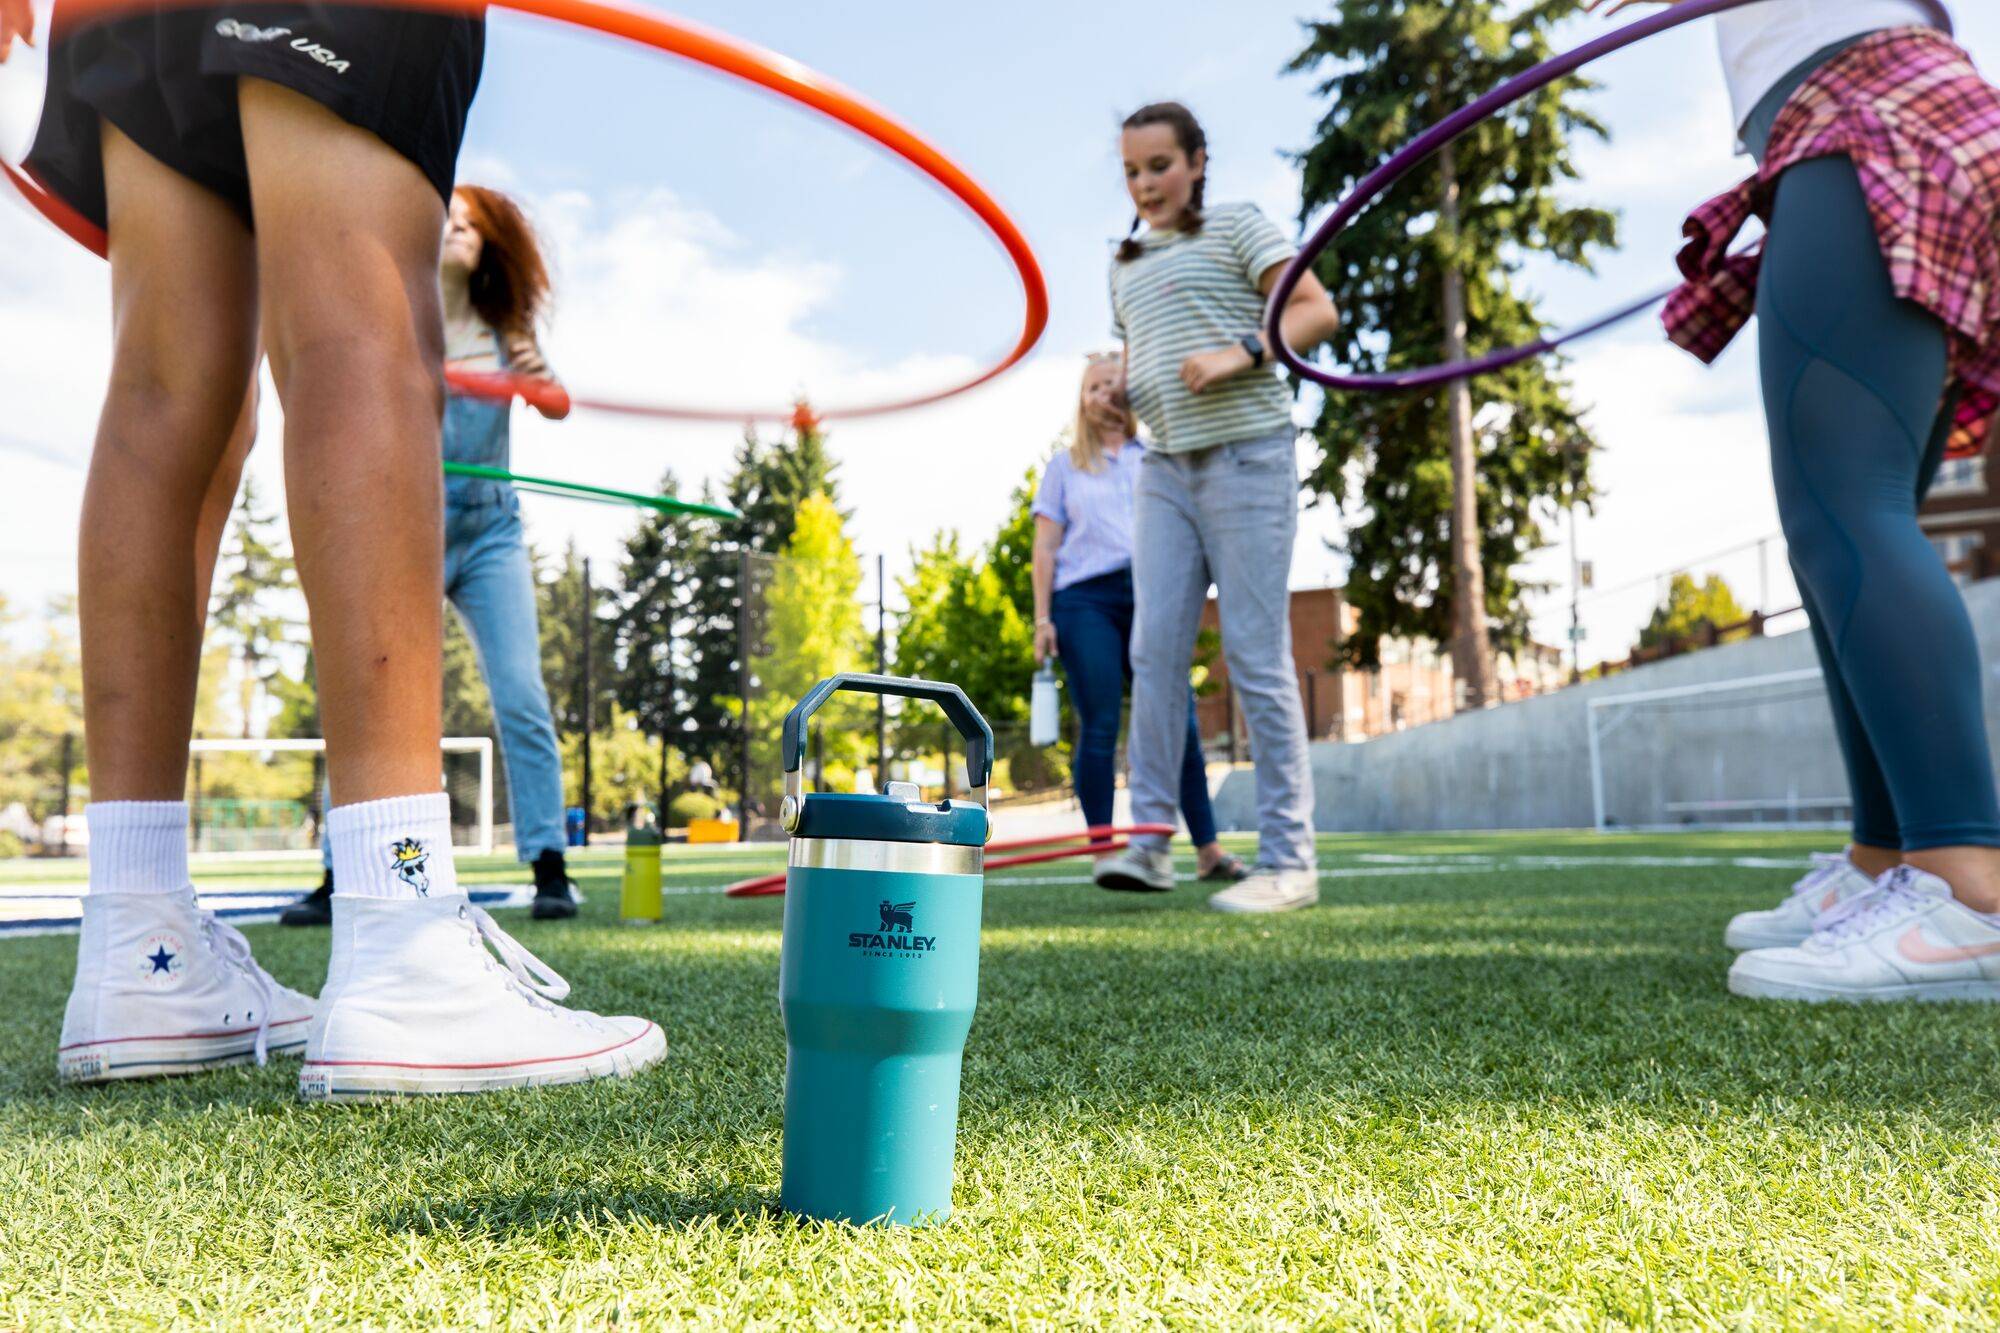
x=1574, y=862
x=251, y=905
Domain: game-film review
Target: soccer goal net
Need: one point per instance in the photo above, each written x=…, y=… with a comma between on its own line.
x=268, y=796
x=1753, y=752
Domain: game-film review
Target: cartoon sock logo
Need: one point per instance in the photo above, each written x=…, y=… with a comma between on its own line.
x=410, y=860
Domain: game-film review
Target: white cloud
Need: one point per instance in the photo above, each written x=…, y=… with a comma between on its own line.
x=1683, y=475
x=659, y=302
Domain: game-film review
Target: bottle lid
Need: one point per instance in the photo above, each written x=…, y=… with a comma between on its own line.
x=898, y=815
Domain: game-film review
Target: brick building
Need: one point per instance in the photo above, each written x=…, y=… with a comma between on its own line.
x=1414, y=684
x=1962, y=516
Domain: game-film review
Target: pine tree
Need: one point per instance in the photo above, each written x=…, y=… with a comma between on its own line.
x=562, y=615
x=694, y=594
x=1450, y=479
x=254, y=581
x=655, y=579
x=772, y=480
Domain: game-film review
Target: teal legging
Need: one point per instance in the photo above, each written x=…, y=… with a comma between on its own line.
x=1854, y=382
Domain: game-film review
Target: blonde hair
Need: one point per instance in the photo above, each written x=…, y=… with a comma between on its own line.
x=1086, y=450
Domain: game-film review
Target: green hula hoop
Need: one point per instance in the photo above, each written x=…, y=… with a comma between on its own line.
x=576, y=490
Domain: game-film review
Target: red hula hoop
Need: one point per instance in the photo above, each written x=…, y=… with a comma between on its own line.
x=1420, y=150
x=773, y=886
x=726, y=55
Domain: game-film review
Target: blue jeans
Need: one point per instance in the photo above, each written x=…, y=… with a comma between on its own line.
x=1093, y=621
x=490, y=582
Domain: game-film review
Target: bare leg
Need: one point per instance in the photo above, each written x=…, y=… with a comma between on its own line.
x=184, y=344
x=348, y=234
x=1874, y=862
x=1972, y=872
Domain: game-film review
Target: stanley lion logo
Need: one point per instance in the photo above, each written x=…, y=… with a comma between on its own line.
x=410, y=859
x=896, y=936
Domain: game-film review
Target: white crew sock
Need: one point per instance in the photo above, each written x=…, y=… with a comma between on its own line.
x=138, y=846
x=398, y=848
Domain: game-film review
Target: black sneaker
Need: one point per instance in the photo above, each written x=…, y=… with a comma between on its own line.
x=555, y=896
x=315, y=909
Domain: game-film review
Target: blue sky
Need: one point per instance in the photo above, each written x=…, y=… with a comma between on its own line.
x=713, y=243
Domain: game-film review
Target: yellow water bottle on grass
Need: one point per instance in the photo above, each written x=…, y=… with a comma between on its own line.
x=639, y=899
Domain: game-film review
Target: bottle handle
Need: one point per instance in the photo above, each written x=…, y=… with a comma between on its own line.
x=957, y=708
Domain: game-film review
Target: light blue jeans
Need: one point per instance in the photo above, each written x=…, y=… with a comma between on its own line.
x=1228, y=516
x=488, y=578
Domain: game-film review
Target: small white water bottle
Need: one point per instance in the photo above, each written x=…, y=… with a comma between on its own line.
x=1045, y=710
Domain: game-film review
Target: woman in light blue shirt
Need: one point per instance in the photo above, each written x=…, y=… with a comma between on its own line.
x=1083, y=603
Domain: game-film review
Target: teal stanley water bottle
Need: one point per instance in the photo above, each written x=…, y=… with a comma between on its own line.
x=878, y=976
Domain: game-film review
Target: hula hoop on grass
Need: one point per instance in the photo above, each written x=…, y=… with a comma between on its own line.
x=739, y=60
x=773, y=886
x=1420, y=150
x=576, y=490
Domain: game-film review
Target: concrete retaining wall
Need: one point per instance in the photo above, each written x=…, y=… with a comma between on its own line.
x=1527, y=765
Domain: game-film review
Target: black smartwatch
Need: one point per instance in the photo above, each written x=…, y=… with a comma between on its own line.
x=1255, y=346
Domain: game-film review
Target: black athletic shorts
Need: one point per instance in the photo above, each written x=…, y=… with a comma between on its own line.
x=167, y=79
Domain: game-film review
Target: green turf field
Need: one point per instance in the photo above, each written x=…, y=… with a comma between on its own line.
x=1461, y=1091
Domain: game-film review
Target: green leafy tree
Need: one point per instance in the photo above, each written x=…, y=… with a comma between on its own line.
x=255, y=583
x=42, y=702
x=1691, y=609
x=1012, y=554
x=813, y=629
x=1448, y=482
x=623, y=767
x=962, y=627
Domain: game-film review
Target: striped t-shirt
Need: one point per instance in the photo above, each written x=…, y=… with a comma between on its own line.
x=1198, y=293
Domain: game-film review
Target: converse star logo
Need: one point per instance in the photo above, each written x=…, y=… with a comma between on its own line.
x=162, y=962
x=408, y=859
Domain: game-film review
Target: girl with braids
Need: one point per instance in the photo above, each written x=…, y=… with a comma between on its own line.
x=1217, y=497
x=496, y=290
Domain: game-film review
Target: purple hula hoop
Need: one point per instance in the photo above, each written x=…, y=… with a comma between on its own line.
x=1420, y=150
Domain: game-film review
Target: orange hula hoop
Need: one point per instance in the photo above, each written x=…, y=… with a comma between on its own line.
x=740, y=60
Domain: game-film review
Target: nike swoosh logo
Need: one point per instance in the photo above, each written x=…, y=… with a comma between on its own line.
x=1832, y=897
x=1917, y=949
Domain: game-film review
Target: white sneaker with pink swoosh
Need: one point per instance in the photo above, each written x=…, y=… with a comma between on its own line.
x=1833, y=880
x=1908, y=940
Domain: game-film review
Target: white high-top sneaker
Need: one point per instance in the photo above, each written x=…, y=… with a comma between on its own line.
x=1908, y=940
x=1833, y=880
x=429, y=995
x=163, y=987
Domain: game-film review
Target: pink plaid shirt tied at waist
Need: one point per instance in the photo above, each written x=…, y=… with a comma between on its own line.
x=1922, y=128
